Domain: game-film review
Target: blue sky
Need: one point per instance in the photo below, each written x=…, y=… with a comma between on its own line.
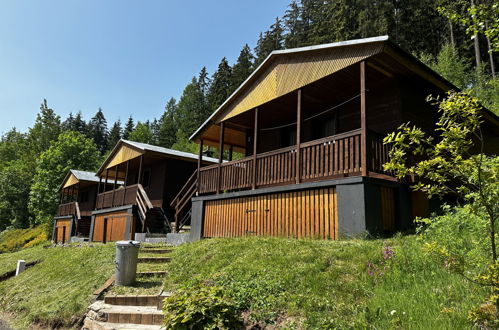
x=128, y=57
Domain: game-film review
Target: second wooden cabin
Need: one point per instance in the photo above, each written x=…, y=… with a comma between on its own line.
x=151, y=177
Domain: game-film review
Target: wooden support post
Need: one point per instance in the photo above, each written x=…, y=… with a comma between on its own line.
x=63, y=234
x=298, y=136
x=255, y=148
x=114, y=182
x=220, y=156
x=124, y=183
x=364, y=157
x=105, y=181
x=140, y=169
x=200, y=159
x=98, y=187
x=231, y=150
x=77, y=191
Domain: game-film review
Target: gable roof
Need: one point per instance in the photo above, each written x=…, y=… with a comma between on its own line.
x=75, y=176
x=126, y=150
x=284, y=71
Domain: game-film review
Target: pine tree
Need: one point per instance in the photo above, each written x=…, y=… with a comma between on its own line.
x=114, y=134
x=98, y=131
x=129, y=127
x=189, y=116
x=167, y=125
x=46, y=129
x=294, y=25
x=220, y=87
x=79, y=124
x=243, y=67
x=269, y=41
x=68, y=124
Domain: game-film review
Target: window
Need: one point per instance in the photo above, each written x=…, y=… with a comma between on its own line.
x=146, y=178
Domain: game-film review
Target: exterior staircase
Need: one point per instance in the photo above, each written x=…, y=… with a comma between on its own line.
x=153, y=218
x=182, y=202
x=133, y=311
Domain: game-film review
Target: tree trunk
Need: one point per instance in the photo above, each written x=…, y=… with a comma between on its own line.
x=491, y=56
x=477, y=44
x=451, y=30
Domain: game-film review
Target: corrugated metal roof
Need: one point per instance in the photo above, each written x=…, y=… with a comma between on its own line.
x=166, y=151
x=270, y=81
x=85, y=175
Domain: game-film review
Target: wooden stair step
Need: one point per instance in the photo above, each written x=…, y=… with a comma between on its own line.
x=152, y=273
x=133, y=314
x=97, y=325
x=158, y=251
x=138, y=300
x=154, y=259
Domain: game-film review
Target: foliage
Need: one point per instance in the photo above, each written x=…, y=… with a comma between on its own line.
x=15, y=179
x=56, y=292
x=183, y=144
x=202, y=307
x=486, y=89
x=72, y=150
x=447, y=162
x=98, y=131
x=142, y=133
x=316, y=284
x=167, y=125
x=46, y=129
x=450, y=65
x=114, y=134
x=128, y=129
x=14, y=239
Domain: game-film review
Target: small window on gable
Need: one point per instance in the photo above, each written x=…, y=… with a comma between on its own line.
x=146, y=178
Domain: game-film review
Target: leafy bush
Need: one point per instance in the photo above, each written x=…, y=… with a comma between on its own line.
x=16, y=239
x=458, y=239
x=200, y=308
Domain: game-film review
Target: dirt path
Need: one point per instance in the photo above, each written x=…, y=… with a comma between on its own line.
x=4, y=325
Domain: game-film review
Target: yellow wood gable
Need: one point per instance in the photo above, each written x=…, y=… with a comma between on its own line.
x=122, y=155
x=70, y=181
x=288, y=72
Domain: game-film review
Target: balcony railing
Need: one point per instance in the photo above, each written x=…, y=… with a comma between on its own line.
x=66, y=209
x=117, y=197
x=331, y=157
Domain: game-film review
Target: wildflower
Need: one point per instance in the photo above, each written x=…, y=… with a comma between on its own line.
x=393, y=312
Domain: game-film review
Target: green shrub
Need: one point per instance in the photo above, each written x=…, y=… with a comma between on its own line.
x=200, y=308
x=16, y=239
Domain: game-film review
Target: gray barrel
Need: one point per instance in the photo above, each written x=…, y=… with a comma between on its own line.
x=126, y=262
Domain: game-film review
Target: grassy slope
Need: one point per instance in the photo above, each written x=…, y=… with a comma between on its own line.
x=58, y=289
x=319, y=284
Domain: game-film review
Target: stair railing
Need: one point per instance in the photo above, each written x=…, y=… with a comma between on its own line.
x=143, y=203
x=183, y=199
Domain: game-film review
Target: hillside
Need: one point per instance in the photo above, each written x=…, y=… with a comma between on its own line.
x=328, y=284
x=278, y=282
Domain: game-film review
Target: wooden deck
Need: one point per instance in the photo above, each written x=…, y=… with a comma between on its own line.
x=328, y=158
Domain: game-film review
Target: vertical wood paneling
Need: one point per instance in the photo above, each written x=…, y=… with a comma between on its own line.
x=388, y=208
x=308, y=213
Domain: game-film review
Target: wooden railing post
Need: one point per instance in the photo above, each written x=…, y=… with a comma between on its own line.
x=255, y=148
x=220, y=156
x=140, y=168
x=298, y=137
x=124, y=183
x=200, y=159
x=114, y=183
x=363, y=121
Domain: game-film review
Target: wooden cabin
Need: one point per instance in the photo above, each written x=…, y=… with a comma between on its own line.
x=309, y=125
x=151, y=177
x=76, y=203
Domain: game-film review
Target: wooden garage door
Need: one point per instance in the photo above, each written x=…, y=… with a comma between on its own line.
x=310, y=213
x=62, y=231
x=111, y=227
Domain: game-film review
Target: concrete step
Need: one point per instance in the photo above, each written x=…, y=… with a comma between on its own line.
x=154, y=259
x=139, y=300
x=152, y=273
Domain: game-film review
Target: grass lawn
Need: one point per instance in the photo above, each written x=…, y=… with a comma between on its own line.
x=328, y=284
x=57, y=291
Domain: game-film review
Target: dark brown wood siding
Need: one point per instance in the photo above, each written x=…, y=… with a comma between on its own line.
x=308, y=213
x=388, y=208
